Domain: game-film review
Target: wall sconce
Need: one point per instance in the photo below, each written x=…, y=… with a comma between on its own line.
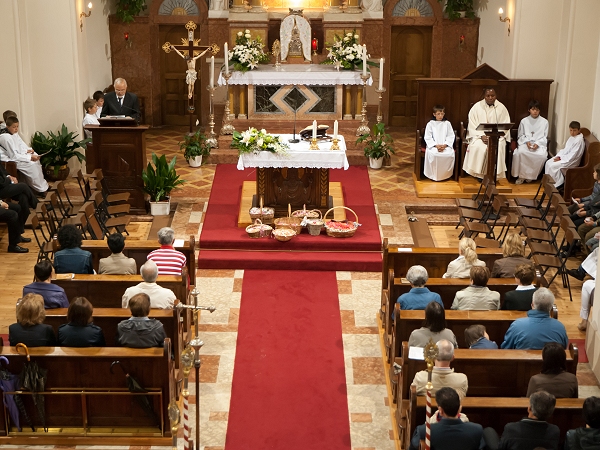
x=506, y=19
x=83, y=14
x=127, y=40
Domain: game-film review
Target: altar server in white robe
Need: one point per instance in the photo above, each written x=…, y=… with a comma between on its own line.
x=488, y=110
x=28, y=162
x=531, y=154
x=90, y=118
x=570, y=156
x=439, y=154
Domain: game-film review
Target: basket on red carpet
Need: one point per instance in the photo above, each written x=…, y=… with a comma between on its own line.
x=292, y=223
x=283, y=234
x=309, y=214
x=343, y=228
x=258, y=229
x=266, y=214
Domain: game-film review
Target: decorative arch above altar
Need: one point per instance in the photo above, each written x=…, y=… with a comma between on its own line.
x=178, y=11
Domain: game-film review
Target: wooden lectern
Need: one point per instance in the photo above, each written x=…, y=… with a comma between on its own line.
x=119, y=149
x=494, y=131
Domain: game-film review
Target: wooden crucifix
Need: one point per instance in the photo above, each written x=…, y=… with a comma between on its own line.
x=190, y=51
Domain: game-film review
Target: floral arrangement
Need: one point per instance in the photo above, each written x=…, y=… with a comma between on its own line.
x=254, y=141
x=247, y=52
x=347, y=53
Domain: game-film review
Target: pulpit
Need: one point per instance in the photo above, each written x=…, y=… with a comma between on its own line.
x=120, y=151
x=494, y=131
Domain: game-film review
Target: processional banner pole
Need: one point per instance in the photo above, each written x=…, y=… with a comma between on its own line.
x=430, y=353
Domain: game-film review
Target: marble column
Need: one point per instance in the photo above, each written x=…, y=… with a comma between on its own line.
x=347, y=102
x=242, y=112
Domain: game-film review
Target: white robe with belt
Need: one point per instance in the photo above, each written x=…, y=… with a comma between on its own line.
x=527, y=164
x=570, y=156
x=15, y=149
x=476, y=157
x=439, y=165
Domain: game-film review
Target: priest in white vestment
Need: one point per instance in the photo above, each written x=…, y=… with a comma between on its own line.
x=439, y=153
x=13, y=148
x=531, y=154
x=570, y=156
x=488, y=110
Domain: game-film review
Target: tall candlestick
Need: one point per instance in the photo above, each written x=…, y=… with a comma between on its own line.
x=226, y=51
x=314, y=134
x=364, y=55
x=335, y=129
x=380, y=73
x=212, y=71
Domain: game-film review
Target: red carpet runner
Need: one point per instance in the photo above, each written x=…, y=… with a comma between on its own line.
x=289, y=385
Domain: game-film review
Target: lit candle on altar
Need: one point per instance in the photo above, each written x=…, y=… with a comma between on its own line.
x=314, y=129
x=212, y=71
x=335, y=129
x=380, y=74
x=226, y=51
x=364, y=60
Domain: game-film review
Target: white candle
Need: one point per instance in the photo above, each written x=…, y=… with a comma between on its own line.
x=226, y=51
x=314, y=129
x=364, y=60
x=212, y=71
x=335, y=129
x=380, y=74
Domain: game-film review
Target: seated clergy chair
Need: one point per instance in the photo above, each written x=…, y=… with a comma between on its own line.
x=420, y=148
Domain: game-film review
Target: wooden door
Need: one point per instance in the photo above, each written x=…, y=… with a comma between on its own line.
x=173, y=88
x=410, y=59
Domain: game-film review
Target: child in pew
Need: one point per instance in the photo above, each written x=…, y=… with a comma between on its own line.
x=30, y=328
x=520, y=299
x=476, y=337
x=439, y=154
x=99, y=98
x=80, y=331
x=90, y=107
x=139, y=331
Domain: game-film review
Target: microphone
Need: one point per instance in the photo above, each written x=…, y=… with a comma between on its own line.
x=137, y=113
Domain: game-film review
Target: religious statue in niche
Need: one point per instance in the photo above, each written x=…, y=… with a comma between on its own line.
x=372, y=5
x=295, y=47
x=294, y=25
x=218, y=5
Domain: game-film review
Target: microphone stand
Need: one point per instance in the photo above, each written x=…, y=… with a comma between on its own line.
x=294, y=140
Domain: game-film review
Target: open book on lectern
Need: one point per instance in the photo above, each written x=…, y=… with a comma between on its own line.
x=499, y=126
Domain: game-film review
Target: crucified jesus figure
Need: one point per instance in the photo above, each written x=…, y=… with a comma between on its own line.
x=190, y=74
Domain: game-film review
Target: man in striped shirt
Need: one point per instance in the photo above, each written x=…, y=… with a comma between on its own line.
x=168, y=260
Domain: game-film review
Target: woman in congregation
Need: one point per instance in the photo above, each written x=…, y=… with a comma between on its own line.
x=434, y=327
x=419, y=296
x=554, y=377
x=477, y=296
x=476, y=337
x=30, y=328
x=467, y=258
x=513, y=254
x=71, y=258
x=80, y=331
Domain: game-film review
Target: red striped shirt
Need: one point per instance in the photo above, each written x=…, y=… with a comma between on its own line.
x=168, y=260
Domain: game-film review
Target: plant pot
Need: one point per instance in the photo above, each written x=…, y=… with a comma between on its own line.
x=50, y=175
x=195, y=162
x=160, y=208
x=375, y=163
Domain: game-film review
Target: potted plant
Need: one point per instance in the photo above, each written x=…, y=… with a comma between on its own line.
x=378, y=145
x=56, y=150
x=128, y=9
x=455, y=9
x=194, y=147
x=159, y=181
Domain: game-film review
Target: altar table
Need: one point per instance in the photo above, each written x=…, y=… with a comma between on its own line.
x=299, y=178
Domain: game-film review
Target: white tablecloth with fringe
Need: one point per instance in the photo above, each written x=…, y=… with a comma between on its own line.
x=288, y=74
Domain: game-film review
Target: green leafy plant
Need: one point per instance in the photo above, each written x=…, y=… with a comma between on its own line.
x=194, y=145
x=56, y=149
x=453, y=8
x=128, y=9
x=377, y=144
x=254, y=141
x=160, y=179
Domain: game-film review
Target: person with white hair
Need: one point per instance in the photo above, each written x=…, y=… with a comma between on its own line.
x=168, y=260
x=160, y=297
x=538, y=328
x=419, y=296
x=120, y=102
x=442, y=375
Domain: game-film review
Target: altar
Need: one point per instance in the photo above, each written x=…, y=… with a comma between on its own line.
x=299, y=178
x=317, y=92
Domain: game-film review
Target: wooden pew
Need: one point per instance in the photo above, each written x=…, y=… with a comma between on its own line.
x=87, y=403
x=495, y=412
x=106, y=291
x=139, y=250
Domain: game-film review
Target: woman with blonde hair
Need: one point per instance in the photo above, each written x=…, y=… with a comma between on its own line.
x=30, y=328
x=513, y=254
x=461, y=266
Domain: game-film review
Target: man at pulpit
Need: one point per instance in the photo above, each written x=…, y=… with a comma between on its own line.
x=488, y=110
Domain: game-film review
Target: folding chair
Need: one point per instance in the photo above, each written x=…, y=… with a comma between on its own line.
x=549, y=220
x=109, y=221
x=537, y=201
x=469, y=214
x=473, y=229
x=43, y=240
x=553, y=247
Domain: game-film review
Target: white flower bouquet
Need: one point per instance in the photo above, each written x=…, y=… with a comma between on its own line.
x=247, y=53
x=346, y=52
x=254, y=141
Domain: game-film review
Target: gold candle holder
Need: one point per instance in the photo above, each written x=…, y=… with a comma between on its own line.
x=334, y=144
x=379, y=112
x=363, y=128
x=313, y=144
x=227, y=127
x=212, y=136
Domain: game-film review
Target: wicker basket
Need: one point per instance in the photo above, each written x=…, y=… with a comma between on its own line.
x=265, y=214
x=258, y=229
x=283, y=234
x=292, y=223
x=309, y=214
x=315, y=225
x=343, y=233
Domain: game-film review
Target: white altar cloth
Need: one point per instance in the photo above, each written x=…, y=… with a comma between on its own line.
x=299, y=156
x=305, y=74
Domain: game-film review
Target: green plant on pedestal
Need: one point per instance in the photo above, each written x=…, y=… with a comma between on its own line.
x=453, y=8
x=56, y=149
x=378, y=144
x=160, y=179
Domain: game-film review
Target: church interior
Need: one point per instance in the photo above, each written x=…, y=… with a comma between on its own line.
x=303, y=348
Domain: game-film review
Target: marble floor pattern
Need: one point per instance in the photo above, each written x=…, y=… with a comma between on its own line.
x=370, y=414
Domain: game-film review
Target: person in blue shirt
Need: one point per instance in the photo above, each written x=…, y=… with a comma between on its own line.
x=476, y=337
x=54, y=295
x=71, y=258
x=419, y=296
x=538, y=328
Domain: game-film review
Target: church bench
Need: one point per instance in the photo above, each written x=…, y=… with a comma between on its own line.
x=106, y=291
x=87, y=403
x=496, y=412
x=139, y=251
x=579, y=181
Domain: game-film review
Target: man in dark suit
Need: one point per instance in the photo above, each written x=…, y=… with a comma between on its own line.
x=15, y=215
x=531, y=432
x=450, y=433
x=120, y=102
